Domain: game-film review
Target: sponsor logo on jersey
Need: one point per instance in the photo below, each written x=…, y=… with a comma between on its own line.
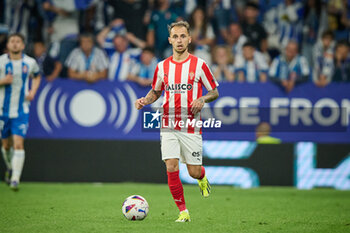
x=178, y=87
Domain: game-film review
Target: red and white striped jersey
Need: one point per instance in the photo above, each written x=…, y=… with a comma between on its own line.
x=182, y=83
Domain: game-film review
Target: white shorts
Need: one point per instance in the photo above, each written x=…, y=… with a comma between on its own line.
x=186, y=147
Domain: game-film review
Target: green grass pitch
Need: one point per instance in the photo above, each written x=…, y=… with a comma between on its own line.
x=56, y=207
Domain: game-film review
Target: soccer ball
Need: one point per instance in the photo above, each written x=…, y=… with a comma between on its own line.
x=135, y=207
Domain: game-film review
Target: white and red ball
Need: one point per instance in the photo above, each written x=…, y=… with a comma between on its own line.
x=135, y=207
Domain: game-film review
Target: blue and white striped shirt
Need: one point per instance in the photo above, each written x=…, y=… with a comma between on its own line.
x=120, y=64
x=97, y=61
x=285, y=22
x=283, y=70
x=252, y=69
x=12, y=97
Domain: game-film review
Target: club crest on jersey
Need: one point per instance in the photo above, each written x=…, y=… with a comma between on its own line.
x=191, y=75
x=178, y=87
x=25, y=69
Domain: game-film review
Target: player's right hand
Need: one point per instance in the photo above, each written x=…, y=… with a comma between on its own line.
x=139, y=103
x=8, y=79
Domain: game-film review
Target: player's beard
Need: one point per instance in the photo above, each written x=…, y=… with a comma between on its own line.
x=16, y=51
x=178, y=51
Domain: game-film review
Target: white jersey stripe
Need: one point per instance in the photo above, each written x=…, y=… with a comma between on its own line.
x=184, y=96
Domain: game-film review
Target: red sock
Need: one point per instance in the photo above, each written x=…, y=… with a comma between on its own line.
x=176, y=189
x=202, y=173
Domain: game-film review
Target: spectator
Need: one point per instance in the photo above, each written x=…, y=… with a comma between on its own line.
x=106, y=36
x=133, y=13
x=3, y=40
x=336, y=11
x=312, y=25
x=283, y=23
x=236, y=39
x=123, y=59
x=202, y=34
x=103, y=15
x=341, y=62
x=49, y=67
x=223, y=12
x=65, y=23
x=157, y=35
x=94, y=15
x=323, y=53
x=289, y=69
x=252, y=29
x=143, y=71
x=223, y=68
x=184, y=8
x=346, y=19
x=262, y=133
x=251, y=66
x=87, y=62
x=17, y=14
x=63, y=28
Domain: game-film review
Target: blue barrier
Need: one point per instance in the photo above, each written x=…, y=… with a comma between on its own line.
x=67, y=109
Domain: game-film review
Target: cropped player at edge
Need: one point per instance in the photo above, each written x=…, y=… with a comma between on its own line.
x=188, y=74
x=15, y=70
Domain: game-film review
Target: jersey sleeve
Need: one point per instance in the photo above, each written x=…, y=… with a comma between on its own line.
x=71, y=60
x=239, y=63
x=305, y=70
x=207, y=78
x=36, y=69
x=157, y=83
x=262, y=63
x=273, y=68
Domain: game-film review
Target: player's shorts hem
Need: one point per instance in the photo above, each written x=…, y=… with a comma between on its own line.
x=171, y=158
x=194, y=163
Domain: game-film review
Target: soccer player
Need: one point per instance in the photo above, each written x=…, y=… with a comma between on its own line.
x=15, y=70
x=182, y=77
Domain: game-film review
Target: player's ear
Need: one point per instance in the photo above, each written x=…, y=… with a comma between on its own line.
x=190, y=40
x=169, y=40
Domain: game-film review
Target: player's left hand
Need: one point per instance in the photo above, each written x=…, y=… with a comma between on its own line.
x=197, y=106
x=30, y=96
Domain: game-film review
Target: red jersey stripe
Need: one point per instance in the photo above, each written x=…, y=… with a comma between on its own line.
x=208, y=76
x=166, y=103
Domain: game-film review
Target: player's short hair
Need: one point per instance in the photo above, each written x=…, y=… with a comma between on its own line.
x=179, y=24
x=341, y=43
x=148, y=49
x=263, y=128
x=249, y=44
x=253, y=5
x=17, y=34
x=86, y=35
x=328, y=33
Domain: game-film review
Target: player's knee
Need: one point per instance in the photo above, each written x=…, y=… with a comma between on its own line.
x=194, y=173
x=6, y=146
x=18, y=146
x=172, y=166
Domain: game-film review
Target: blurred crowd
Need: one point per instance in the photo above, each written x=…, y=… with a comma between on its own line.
x=283, y=41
